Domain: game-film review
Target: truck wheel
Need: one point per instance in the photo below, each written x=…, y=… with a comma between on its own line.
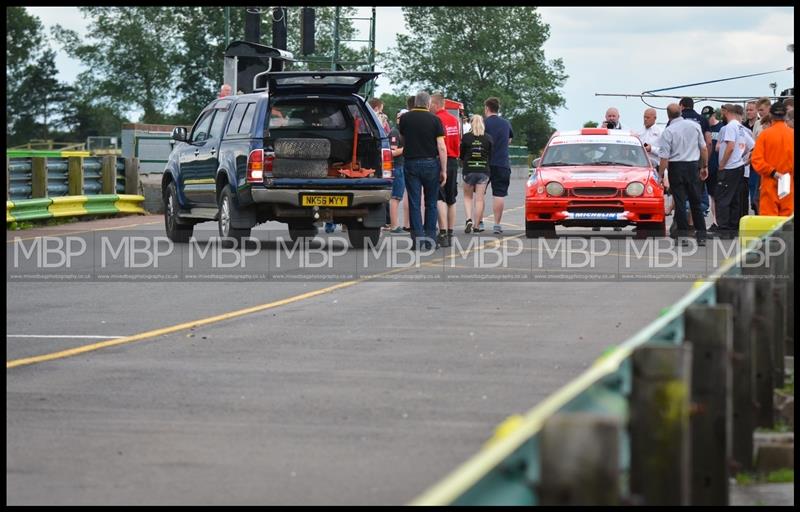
x=540, y=230
x=288, y=168
x=360, y=235
x=177, y=230
x=312, y=149
x=303, y=232
x=227, y=209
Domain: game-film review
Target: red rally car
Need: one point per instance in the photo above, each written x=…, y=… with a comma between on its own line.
x=594, y=177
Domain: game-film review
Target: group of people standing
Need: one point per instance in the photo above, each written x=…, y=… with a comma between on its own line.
x=428, y=149
x=736, y=163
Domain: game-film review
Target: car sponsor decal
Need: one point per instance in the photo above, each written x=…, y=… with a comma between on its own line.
x=596, y=216
x=632, y=141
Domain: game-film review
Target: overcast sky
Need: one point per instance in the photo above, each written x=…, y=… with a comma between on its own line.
x=615, y=50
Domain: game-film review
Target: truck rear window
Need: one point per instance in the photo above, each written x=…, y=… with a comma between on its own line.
x=307, y=115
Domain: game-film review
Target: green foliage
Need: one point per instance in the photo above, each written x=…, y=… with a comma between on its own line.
x=780, y=476
x=780, y=427
x=392, y=104
x=472, y=53
x=590, y=124
x=130, y=53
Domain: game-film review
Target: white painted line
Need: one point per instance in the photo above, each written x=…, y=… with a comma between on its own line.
x=58, y=336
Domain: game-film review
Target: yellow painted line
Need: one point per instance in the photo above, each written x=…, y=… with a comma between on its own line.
x=197, y=323
x=175, y=328
x=20, y=239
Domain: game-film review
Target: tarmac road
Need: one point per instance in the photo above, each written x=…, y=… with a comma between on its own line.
x=349, y=385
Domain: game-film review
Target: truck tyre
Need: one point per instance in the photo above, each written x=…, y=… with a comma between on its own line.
x=302, y=231
x=308, y=149
x=227, y=209
x=360, y=235
x=288, y=168
x=178, y=230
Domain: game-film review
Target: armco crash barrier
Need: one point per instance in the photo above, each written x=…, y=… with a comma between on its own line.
x=660, y=419
x=72, y=206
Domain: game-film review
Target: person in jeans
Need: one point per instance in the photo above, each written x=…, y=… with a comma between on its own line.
x=425, y=167
x=682, y=147
x=399, y=184
x=476, y=150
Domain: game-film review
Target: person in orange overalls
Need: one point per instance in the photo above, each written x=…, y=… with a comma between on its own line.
x=772, y=157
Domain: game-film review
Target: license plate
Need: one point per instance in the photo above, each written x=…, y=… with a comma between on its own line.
x=328, y=201
x=594, y=216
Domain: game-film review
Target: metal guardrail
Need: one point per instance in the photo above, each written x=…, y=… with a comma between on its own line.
x=657, y=420
x=42, y=174
x=72, y=206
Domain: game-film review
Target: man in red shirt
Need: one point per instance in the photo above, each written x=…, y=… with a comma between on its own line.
x=448, y=192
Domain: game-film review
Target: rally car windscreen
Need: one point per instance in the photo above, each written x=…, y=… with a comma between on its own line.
x=595, y=153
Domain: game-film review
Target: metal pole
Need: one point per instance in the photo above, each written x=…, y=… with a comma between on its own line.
x=227, y=26
x=335, y=40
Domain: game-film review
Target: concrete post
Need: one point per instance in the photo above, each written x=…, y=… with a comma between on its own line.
x=710, y=329
x=740, y=294
x=580, y=460
x=659, y=425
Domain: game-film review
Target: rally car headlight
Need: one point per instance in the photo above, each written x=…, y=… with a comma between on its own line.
x=634, y=189
x=555, y=188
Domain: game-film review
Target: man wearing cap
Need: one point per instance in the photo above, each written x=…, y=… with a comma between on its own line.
x=733, y=148
x=682, y=148
x=773, y=157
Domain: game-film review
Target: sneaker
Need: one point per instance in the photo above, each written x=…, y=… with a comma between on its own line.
x=468, y=227
x=477, y=229
x=396, y=231
x=480, y=226
x=442, y=240
x=713, y=227
x=407, y=230
x=701, y=242
x=497, y=229
x=330, y=227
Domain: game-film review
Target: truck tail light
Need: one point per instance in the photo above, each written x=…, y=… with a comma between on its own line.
x=388, y=164
x=259, y=166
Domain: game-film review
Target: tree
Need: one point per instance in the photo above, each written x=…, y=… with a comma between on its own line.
x=393, y=103
x=590, y=124
x=130, y=53
x=495, y=51
x=35, y=99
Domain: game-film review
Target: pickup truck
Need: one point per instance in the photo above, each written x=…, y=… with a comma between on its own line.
x=305, y=150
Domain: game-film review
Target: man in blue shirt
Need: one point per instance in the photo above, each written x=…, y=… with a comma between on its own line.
x=499, y=163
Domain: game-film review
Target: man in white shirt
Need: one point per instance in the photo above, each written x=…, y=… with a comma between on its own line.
x=650, y=136
x=733, y=147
